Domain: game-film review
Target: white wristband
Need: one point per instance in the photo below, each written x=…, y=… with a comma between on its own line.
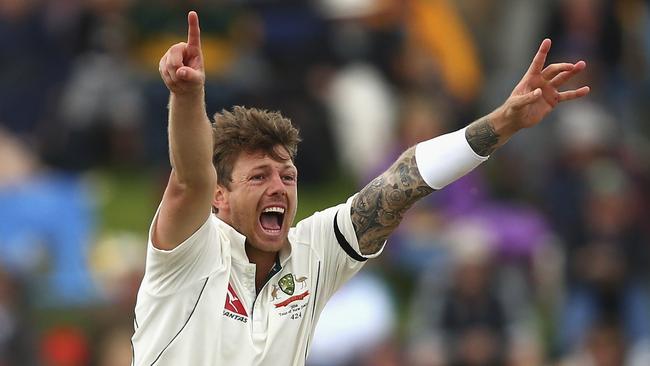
x=446, y=158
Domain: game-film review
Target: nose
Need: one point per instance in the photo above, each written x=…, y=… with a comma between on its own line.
x=276, y=186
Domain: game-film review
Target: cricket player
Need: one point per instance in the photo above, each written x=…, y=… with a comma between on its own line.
x=229, y=280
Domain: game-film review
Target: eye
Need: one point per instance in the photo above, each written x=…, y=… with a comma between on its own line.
x=258, y=177
x=289, y=178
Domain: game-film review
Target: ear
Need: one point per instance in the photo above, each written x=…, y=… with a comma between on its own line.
x=220, y=199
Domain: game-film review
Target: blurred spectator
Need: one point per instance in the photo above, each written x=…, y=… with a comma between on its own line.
x=607, y=268
x=505, y=35
x=466, y=318
x=114, y=345
x=363, y=39
x=117, y=263
x=584, y=133
x=359, y=323
x=17, y=333
x=597, y=204
x=588, y=29
x=102, y=106
x=45, y=224
x=27, y=83
x=449, y=46
x=606, y=345
x=363, y=114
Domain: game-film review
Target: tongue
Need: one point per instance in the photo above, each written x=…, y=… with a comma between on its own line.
x=270, y=221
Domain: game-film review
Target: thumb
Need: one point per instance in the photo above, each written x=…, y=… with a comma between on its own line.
x=188, y=74
x=521, y=101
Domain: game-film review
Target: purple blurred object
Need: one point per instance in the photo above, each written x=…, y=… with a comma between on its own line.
x=519, y=229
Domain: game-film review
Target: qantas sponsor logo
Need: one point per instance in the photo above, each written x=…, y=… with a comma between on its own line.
x=234, y=308
x=230, y=315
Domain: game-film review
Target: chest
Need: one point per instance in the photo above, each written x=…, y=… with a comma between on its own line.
x=276, y=322
x=282, y=303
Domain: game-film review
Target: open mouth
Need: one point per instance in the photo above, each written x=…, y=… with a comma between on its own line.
x=271, y=219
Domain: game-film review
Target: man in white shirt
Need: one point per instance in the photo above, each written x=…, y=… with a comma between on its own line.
x=227, y=280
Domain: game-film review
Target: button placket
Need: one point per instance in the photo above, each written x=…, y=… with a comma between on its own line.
x=258, y=311
x=249, y=282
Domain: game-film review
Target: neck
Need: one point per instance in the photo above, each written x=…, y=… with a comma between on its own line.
x=263, y=261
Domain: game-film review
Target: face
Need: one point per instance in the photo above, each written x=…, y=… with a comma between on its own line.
x=261, y=202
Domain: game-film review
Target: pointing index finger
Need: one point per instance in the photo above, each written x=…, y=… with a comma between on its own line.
x=540, y=58
x=193, y=31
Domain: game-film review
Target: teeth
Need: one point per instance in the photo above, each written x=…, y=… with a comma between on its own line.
x=274, y=209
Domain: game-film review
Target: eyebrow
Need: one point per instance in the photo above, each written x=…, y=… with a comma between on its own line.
x=268, y=166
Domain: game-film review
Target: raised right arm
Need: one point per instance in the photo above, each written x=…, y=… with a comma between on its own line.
x=186, y=202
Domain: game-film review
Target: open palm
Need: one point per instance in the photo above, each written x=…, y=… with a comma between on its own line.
x=538, y=91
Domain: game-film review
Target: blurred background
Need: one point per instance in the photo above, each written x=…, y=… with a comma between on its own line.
x=540, y=257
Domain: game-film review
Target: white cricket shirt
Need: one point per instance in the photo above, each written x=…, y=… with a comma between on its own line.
x=197, y=304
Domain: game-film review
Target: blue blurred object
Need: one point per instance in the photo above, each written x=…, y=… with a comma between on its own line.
x=45, y=228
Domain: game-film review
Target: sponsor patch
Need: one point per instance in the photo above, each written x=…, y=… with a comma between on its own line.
x=234, y=308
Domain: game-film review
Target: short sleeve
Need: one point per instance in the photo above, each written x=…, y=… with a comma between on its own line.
x=168, y=271
x=346, y=236
x=331, y=234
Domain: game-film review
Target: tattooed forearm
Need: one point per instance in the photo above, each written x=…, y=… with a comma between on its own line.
x=482, y=137
x=379, y=207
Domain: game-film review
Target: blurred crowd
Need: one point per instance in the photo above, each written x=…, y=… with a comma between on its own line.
x=539, y=257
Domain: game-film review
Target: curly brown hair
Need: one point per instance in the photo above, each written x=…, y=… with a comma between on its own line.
x=249, y=130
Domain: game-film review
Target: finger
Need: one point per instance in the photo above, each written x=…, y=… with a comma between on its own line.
x=563, y=77
x=526, y=99
x=164, y=73
x=162, y=68
x=188, y=74
x=175, y=59
x=540, y=58
x=573, y=94
x=552, y=70
x=176, y=54
x=170, y=71
x=162, y=63
x=193, y=30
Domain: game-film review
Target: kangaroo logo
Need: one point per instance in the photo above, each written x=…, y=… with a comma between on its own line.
x=301, y=280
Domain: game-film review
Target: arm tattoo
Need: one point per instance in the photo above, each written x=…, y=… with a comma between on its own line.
x=482, y=137
x=379, y=206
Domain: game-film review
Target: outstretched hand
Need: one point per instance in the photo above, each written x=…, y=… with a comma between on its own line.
x=181, y=68
x=538, y=91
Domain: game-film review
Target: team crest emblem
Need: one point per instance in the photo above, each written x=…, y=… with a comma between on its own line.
x=287, y=285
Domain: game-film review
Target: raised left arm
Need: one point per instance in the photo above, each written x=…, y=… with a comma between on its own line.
x=379, y=207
